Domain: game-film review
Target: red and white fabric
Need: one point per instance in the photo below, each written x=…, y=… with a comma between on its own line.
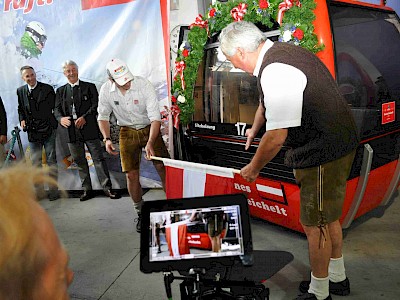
x=186, y=179
x=176, y=238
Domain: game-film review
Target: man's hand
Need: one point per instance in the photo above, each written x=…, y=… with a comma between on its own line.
x=23, y=124
x=3, y=139
x=110, y=148
x=65, y=122
x=249, y=173
x=80, y=122
x=250, y=137
x=149, y=150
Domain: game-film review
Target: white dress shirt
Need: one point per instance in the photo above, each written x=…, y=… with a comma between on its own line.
x=136, y=109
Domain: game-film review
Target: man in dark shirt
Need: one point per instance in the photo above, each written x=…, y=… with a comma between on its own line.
x=35, y=108
x=76, y=111
x=3, y=131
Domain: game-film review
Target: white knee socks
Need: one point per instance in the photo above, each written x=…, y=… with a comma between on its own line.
x=337, y=272
x=319, y=287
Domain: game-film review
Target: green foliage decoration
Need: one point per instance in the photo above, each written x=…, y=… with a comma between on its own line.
x=296, y=27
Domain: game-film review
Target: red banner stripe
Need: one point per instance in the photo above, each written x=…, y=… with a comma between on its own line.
x=217, y=185
x=89, y=4
x=174, y=182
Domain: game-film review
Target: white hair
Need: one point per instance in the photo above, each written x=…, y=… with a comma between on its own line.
x=69, y=63
x=242, y=34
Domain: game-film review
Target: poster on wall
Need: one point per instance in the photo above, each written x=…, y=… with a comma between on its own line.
x=45, y=33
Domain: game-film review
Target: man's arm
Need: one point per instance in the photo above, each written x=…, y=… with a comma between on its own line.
x=58, y=109
x=21, y=108
x=259, y=120
x=154, y=132
x=51, y=97
x=271, y=142
x=103, y=118
x=92, y=110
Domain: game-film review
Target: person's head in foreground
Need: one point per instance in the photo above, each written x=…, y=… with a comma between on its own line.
x=33, y=262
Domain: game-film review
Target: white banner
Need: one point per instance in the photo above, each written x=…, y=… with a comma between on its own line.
x=89, y=32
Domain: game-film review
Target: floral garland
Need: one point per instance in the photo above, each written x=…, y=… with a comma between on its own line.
x=295, y=18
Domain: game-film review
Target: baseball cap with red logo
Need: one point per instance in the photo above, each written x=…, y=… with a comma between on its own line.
x=118, y=70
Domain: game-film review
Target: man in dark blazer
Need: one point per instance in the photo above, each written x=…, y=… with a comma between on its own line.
x=3, y=131
x=35, y=110
x=76, y=110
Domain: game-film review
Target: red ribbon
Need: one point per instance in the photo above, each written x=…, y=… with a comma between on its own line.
x=175, y=112
x=200, y=23
x=284, y=6
x=239, y=11
x=179, y=67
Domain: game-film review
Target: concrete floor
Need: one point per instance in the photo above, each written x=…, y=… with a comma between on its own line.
x=104, y=251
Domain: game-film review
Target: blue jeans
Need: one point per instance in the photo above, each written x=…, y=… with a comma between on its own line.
x=50, y=149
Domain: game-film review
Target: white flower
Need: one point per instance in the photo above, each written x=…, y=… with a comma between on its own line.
x=181, y=99
x=287, y=36
x=182, y=46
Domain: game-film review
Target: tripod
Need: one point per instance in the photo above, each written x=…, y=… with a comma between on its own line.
x=199, y=284
x=195, y=286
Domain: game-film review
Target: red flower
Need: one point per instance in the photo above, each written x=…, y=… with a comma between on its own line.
x=212, y=12
x=298, y=34
x=185, y=52
x=264, y=4
x=173, y=99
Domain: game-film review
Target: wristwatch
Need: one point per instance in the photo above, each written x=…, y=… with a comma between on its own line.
x=106, y=139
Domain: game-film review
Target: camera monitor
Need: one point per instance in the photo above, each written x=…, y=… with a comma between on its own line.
x=180, y=234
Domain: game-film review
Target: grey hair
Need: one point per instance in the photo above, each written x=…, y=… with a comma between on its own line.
x=69, y=63
x=242, y=34
x=23, y=68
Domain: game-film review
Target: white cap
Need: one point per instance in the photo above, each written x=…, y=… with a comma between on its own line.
x=119, y=71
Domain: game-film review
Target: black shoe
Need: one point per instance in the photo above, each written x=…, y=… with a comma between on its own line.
x=54, y=196
x=87, y=195
x=159, y=250
x=139, y=223
x=308, y=296
x=341, y=288
x=112, y=194
x=41, y=194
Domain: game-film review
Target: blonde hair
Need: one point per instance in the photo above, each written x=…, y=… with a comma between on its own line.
x=20, y=258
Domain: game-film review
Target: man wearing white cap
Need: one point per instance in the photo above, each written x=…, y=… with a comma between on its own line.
x=133, y=101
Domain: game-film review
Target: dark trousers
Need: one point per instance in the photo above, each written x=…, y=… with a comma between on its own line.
x=77, y=151
x=49, y=146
